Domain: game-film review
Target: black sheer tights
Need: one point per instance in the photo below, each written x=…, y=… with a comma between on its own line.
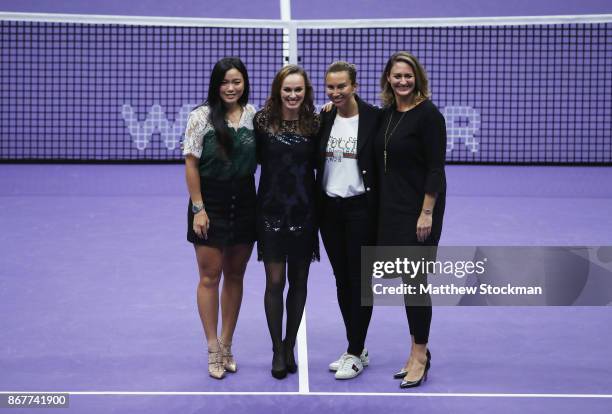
x=296, y=272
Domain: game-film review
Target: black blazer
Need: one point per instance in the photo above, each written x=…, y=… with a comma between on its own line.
x=369, y=122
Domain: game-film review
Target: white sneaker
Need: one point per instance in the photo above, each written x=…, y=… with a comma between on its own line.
x=350, y=367
x=365, y=357
x=365, y=360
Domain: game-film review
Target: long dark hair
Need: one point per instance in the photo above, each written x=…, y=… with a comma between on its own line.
x=307, y=124
x=217, y=109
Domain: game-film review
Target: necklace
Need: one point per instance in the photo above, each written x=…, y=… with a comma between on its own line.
x=388, y=136
x=235, y=124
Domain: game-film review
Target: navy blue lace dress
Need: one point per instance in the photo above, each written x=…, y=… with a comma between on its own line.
x=286, y=211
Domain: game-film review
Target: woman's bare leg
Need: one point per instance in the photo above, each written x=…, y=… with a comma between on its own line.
x=235, y=259
x=210, y=260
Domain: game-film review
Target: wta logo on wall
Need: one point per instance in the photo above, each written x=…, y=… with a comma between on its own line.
x=156, y=122
x=462, y=126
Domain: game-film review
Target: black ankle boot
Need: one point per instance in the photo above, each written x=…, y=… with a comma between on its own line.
x=279, y=366
x=290, y=357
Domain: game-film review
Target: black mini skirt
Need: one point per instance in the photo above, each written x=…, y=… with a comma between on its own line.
x=230, y=206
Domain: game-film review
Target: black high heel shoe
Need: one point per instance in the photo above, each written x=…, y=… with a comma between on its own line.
x=401, y=374
x=412, y=384
x=279, y=366
x=290, y=357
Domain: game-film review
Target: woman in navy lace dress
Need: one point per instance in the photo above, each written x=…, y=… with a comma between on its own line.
x=287, y=241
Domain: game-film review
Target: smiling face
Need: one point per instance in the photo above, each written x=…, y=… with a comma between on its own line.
x=232, y=87
x=340, y=90
x=292, y=92
x=401, y=79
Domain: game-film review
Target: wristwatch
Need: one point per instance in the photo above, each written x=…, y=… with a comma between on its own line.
x=197, y=207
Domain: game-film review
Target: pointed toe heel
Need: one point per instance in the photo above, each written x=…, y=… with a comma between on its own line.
x=229, y=363
x=215, y=365
x=400, y=374
x=412, y=384
x=403, y=372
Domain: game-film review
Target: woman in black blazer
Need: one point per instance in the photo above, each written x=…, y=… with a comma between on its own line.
x=347, y=199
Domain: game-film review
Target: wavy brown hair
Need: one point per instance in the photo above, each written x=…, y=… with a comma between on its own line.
x=307, y=124
x=421, y=85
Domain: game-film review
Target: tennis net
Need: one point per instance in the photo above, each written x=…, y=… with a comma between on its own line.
x=517, y=93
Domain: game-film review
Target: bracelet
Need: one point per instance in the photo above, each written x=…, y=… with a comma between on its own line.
x=427, y=211
x=197, y=207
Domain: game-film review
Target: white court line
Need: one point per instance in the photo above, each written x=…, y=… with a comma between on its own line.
x=318, y=394
x=302, y=343
x=302, y=346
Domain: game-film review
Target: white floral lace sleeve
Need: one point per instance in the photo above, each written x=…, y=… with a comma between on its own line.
x=249, y=115
x=197, y=126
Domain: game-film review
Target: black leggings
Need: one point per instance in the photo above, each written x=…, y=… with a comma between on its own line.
x=344, y=229
x=297, y=274
x=419, y=316
x=418, y=307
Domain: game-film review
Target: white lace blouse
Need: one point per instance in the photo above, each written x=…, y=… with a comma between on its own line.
x=198, y=126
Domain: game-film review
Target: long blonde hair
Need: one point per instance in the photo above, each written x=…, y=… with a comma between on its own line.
x=421, y=85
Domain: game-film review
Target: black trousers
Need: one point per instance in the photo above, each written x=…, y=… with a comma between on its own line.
x=418, y=307
x=419, y=316
x=344, y=229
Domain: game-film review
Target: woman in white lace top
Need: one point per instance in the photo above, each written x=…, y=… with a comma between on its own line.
x=220, y=163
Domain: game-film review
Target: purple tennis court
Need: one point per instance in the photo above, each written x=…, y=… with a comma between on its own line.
x=97, y=281
x=97, y=295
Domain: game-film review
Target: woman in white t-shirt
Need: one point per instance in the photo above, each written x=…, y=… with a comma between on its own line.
x=347, y=201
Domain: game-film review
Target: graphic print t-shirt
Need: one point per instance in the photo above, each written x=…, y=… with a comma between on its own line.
x=341, y=177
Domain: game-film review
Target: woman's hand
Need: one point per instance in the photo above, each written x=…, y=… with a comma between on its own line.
x=327, y=107
x=201, y=224
x=423, y=229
